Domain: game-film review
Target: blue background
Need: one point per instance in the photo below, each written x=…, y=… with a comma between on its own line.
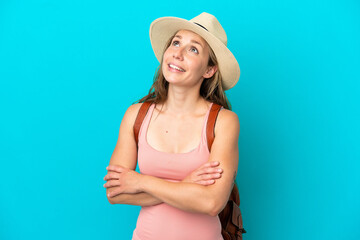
x=69, y=70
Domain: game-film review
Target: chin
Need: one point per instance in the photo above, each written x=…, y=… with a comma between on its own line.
x=172, y=78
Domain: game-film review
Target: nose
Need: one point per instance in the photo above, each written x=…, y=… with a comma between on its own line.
x=178, y=53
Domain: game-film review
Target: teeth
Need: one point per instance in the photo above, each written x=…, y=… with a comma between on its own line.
x=177, y=68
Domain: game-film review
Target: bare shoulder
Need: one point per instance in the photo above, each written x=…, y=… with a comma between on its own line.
x=128, y=120
x=125, y=151
x=133, y=110
x=227, y=121
x=131, y=113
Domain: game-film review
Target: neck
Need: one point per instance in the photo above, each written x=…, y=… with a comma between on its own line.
x=183, y=100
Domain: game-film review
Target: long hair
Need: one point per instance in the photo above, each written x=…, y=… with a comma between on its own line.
x=211, y=88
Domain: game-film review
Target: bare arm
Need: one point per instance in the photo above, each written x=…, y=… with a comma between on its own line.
x=125, y=155
x=194, y=197
x=205, y=175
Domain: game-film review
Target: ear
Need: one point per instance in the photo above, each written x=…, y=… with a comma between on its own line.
x=211, y=70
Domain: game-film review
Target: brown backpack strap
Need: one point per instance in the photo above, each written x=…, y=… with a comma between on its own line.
x=140, y=118
x=210, y=127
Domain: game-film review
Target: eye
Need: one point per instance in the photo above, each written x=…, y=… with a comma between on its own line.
x=194, y=50
x=175, y=43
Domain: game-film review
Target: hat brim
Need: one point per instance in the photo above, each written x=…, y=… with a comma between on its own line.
x=163, y=28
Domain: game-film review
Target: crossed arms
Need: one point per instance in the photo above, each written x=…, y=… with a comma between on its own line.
x=205, y=190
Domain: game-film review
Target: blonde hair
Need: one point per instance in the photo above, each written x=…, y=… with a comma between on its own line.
x=211, y=88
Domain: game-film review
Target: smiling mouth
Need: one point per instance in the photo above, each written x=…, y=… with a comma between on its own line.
x=176, y=68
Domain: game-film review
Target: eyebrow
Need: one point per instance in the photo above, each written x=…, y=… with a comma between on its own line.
x=193, y=41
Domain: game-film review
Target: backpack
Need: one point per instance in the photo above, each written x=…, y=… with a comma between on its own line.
x=230, y=216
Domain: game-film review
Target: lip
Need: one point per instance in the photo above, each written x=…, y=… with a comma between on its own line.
x=175, y=70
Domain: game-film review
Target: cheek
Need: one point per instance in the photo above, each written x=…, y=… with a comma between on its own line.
x=199, y=66
x=166, y=54
x=163, y=69
x=164, y=60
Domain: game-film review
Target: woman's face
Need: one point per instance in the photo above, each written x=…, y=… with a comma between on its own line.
x=185, y=61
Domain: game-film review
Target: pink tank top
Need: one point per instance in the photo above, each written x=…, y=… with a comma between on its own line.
x=162, y=221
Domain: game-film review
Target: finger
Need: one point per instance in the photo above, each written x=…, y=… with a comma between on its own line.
x=209, y=170
x=210, y=176
x=214, y=163
x=114, y=193
x=111, y=183
x=206, y=177
x=115, y=168
x=209, y=164
x=204, y=171
x=206, y=182
x=112, y=175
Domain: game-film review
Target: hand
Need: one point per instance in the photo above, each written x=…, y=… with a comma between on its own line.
x=205, y=174
x=125, y=180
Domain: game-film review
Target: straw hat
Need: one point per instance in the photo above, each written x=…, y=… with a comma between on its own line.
x=209, y=28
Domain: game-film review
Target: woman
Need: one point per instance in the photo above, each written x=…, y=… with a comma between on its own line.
x=181, y=187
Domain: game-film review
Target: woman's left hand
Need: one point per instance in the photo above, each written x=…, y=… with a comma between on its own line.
x=125, y=180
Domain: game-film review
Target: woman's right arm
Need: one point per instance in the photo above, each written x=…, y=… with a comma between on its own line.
x=125, y=155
